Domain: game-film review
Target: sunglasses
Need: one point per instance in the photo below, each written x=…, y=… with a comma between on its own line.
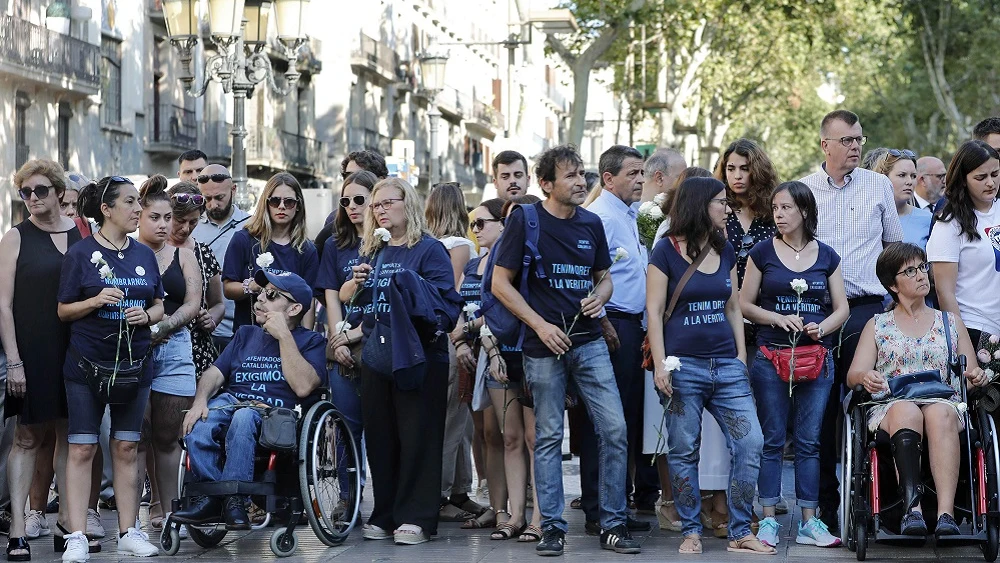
x=204, y=178
x=273, y=294
x=359, y=200
x=745, y=245
x=912, y=270
x=480, y=223
x=902, y=153
x=41, y=191
x=112, y=180
x=275, y=202
x=184, y=199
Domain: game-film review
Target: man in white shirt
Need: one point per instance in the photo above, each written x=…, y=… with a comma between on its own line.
x=931, y=175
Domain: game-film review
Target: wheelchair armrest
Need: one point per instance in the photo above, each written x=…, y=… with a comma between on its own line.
x=855, y=398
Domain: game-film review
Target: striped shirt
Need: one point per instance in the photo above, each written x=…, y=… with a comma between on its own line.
x=855, y=220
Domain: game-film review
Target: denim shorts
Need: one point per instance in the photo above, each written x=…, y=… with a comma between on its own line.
x=173, y=365
x=86, y=412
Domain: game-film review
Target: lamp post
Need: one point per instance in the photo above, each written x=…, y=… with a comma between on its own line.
x=432, y=68
x=239, y=30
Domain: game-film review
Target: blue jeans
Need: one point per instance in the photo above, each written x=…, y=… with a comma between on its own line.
x=235, y=428
x=720, y=386
x=345, y=394
x=590, y=367
x=773, y=404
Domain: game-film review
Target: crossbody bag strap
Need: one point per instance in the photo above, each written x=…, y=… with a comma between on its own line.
x=947, y=337
x=683, y=281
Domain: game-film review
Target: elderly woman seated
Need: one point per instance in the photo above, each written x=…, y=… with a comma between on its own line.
x=909, y=338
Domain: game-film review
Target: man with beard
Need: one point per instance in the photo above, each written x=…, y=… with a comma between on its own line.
x=510, y=174
x=216, y=229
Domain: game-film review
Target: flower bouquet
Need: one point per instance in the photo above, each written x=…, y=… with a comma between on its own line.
x=649, y=219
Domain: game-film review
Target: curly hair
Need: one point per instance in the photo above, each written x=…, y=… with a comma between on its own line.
x=763, y=177
x=689, y=216
x=959, y=205
x=366, y=160
x=545, y=169
x=413, y=207
x=259, y=225
x=52, y=170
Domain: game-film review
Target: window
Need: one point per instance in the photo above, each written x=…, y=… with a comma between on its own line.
x=65, y=113
x=111, y=81
x=21, y=129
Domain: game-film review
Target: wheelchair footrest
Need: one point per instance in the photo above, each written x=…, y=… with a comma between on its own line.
x=223, y=488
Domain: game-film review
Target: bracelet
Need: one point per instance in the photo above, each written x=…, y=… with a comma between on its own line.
x=821, y=332
x=459, y=343
x=148, y=318
x=246, y=286
x=15, y=365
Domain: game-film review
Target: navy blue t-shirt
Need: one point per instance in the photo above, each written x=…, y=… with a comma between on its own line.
x=571, y=249
x=241, y=263
x=776, y=293
x=698, y=326
x=471, y=289
x=335, y=269
x=428, y=259
x=138, y=275
x=251, y=364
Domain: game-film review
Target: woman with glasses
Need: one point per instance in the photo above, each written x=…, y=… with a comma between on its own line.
x=901, y=168
x=787, y=317
x=909, y=338
x=274, y=239
x=35, y=340
x=172, y=358
x=963, y=246
x=705, y=333
x=111, y=292
x=403, y=416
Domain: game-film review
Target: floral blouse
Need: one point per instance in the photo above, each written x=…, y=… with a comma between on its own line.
x=202, y=346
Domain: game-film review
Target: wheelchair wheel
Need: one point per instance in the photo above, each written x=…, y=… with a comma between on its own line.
x=846, y=484
x=283, y=542
x=329, y=474
x=170, y=540
x=861, y=535
x=989, y=436
x=206, y=538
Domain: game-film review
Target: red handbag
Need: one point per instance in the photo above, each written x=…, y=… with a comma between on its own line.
x=808, y=361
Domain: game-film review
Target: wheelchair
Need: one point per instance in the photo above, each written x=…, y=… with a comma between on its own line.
x=872, y=507
x=320, y=478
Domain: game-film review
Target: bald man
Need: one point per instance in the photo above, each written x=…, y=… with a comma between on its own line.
x=930, y=182
x=660, y=171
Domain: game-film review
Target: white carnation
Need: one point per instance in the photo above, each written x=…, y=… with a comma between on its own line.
x=646, y=206
x=799, y=285
x=671, y=363
x=265, y=260
x=962, y=407
x=154, y=329
x=470, y=309
x=96, y=258
x=656, y=212
x=382, y=234
x=342, y=326
x=106, y=272
x=658, y=199
x=620, y=254
x=485, y=331
x=995, y=339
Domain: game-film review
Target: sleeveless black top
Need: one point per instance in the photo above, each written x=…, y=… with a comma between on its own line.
x=173, y=285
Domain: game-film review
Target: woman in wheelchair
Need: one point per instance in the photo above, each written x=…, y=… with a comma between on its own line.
x=912, y=337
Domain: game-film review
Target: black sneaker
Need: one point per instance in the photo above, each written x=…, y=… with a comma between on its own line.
x=913, y=524
x=109, y=504
x=5, y=522
x=634, y=525
x=592, y=528
x=946, y=526
x=828, y=516
x=552, y=542
x=620, y=540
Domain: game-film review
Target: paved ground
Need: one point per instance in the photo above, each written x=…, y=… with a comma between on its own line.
x=454, y=545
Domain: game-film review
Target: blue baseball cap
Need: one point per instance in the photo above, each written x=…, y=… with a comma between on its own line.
x=289, y=283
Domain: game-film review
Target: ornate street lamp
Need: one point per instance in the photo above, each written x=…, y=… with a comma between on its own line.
x=432, y=66
x=239, y=31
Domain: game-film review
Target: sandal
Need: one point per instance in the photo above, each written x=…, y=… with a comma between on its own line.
x=530, y=534
x=506, y=531
x=18, y=544
x=472, y=507
x=59, y=541
x=690, y=546
x=718, y=523
x=452, y=513
x=750, y=544
x=487, y=519
x=666, y=523
x=576, y=503
x=155, y=522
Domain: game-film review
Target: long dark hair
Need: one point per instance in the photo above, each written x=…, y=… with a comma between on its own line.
x=959, y=206
x=94, y=194
x=689, y=172
x=803, y=198
x=689, y=216
x=346, y=232
x=763, y=177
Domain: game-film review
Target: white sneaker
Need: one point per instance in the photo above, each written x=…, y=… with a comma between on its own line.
x=136, y=542
x=35, y=525
x=77, y=548
x=94, y=527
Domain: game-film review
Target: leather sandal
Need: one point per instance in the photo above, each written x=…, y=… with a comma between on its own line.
x=750, y=544
x=507, y=531
x=693, y=544
x=18, y=544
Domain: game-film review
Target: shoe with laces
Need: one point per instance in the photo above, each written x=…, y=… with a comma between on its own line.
x=768, y=534
x=913, y=524
x=35, y=525
x=94, y=527
x=552, y=543
x=620, y=540
x=815, y=532
x=77, y=548
x=946, y=526
x=136, y=542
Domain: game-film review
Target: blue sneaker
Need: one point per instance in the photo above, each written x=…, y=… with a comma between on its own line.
x=768, y=533
x=815, y=532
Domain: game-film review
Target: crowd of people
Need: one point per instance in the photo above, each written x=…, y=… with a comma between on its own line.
x=454, y=338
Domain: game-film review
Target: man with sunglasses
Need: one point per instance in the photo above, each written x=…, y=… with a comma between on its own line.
x=931, y=175
x=276, y=364
x=217, y=226
x=857, y=216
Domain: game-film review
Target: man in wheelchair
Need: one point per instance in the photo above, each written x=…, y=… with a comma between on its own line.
x=275, y=363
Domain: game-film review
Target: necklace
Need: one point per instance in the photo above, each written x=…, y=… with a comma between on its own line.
x=121, y=255
x=797, y=250
x=162, y=246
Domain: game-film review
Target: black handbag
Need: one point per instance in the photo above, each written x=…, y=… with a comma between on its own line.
x=377, y=351
x=114, y=384
x=926, y=384
x=278, y=430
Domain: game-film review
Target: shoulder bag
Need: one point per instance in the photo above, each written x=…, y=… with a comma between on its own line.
x=647, y=352
x=926, y=384
x=377, y=350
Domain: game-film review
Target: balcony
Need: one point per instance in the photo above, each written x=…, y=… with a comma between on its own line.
x=453, y=104
x=556, y=99
x=49, y=59
x=375, y=57
x=172, y=129
x=486, y=120
x=370, y=139
x=214, y=140
x=283, y=150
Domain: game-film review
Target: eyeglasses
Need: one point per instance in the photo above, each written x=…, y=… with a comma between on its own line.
x=204, y=178
x=384, y=204
x=745, y=245
x=722, y=200
x=912, y=270
x=184, y=199
x=41, y=191
x=275, y=202
x=480, y=223
x=904, y=153
x=358, y=200
x=848, y=141
x=273, y=294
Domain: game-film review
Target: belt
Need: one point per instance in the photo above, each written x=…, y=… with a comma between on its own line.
x=865, y=300
x=637, y=317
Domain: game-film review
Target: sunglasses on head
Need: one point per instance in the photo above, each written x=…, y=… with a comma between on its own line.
x=184, y=199
x=904, y=153
x=107, y=181
x=480, y=223
x=276, y=202
x=41, y=191
x=359, y=200
x=204, y=178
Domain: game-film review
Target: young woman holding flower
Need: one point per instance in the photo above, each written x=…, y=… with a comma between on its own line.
x=787, y=280
x=111, y=293
x=274, y=239
x=705, y=333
